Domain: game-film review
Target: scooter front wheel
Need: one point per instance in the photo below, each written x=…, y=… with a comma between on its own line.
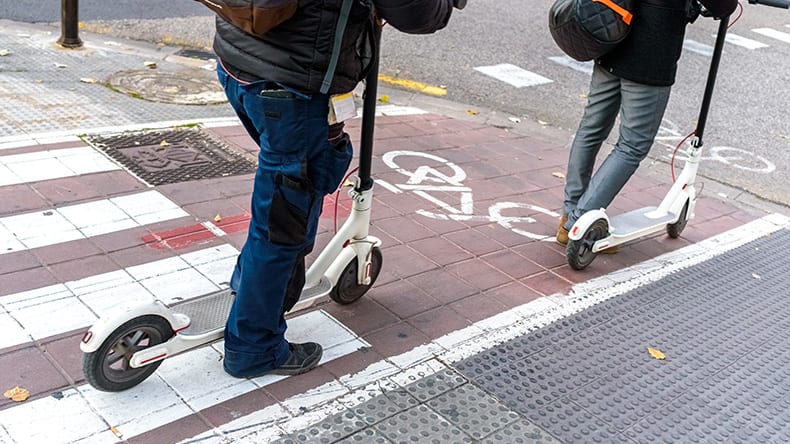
x=108, y=368
x=347, y=289
x=674, y=230
x=579, y=252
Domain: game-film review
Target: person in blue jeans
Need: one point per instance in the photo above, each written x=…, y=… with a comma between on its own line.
x=277, y=84
x=634, y=80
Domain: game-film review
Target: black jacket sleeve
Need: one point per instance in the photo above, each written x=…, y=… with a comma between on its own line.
x=415, y=16
x=719, y=8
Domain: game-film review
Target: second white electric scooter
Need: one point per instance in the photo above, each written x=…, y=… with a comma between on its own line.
x=595, y=231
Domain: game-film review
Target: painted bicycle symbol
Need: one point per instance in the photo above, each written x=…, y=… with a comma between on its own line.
x=669, y=135
x=433, y=178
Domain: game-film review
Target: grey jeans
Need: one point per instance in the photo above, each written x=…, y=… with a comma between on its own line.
x=641, y=108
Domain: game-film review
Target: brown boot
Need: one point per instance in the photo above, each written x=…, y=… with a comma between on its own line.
x=562, y=233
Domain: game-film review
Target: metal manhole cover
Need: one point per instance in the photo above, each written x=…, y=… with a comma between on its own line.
x=185, y=87
x=170, y=156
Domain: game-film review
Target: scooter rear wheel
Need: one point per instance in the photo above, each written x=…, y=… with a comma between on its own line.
x=108, y=368
x=674, y=230
x=347, y=289
x=579, y=252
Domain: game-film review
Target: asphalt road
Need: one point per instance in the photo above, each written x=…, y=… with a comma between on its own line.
x=747, y=138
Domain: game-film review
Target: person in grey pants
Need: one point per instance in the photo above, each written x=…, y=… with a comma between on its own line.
x=634, y=81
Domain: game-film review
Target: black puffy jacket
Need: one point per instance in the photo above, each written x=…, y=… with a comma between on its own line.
x=650, y=53
x=297, y=52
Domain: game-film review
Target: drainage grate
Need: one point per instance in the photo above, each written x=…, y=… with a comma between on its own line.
x=171, y=156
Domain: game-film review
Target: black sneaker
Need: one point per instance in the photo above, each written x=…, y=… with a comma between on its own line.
x=304, y=357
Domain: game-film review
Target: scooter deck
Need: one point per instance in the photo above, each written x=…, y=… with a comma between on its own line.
x=206, y=313
x=636, y=220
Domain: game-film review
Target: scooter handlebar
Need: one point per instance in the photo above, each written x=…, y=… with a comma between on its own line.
x=459, y=4
x=775, y=3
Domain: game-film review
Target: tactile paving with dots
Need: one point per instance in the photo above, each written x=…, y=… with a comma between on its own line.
x=726, y=377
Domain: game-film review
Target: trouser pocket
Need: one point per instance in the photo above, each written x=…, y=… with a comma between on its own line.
x=289, y=213
x=330, y=166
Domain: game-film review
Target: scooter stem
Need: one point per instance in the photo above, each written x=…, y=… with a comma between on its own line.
x=714, y=68
x=369, y=115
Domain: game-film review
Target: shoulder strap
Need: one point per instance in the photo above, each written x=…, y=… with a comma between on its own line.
x=339, y=31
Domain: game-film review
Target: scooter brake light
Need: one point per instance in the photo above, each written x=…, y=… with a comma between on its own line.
x=87, y=337
x=575, y=230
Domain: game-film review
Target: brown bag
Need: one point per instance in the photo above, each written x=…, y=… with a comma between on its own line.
x=255, y=17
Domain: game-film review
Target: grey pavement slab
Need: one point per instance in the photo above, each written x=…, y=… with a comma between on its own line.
x=45, y=88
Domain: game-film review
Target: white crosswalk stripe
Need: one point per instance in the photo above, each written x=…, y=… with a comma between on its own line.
x=80, y=221
x=569, y=62
x=774, y=34
x=738, y=40
x=699, y=48
x=513, y=75
x=52, y=164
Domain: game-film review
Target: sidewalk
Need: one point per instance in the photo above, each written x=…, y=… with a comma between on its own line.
x=476, y=330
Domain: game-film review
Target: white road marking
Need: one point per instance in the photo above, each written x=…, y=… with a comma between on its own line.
x=52, y=164
x=569, y=62
x=77, y=304
x=744, y=42
x=513, y=75
x=699, y=48
x=57, y=225
x=774, y=34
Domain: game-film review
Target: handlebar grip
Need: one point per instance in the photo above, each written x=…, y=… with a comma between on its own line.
x=775, y=3
x=459, y=4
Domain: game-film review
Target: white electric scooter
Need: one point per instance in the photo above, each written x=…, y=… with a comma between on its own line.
x=595, y=231
x=127, y=345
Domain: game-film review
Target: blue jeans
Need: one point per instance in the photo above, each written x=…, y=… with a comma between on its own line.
x=641, y=108
x=297, y=166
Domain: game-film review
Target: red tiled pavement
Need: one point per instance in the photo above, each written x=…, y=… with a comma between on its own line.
x=438, y=275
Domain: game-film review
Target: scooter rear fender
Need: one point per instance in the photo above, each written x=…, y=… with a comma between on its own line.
x=583, y=223
x=103, y=328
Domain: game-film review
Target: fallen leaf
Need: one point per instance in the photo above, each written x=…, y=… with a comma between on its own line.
x=164, y=143
x=656, y=353
x=17, y=394
x=116, y=432
x=558, y=174
x=149, y=64
x=88, y=80
x=384, y=99
x=472, y=112
x=4, y=52
x=217, y=218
